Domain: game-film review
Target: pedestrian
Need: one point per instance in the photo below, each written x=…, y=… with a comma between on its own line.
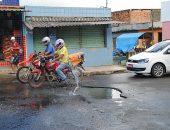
x=15, y=51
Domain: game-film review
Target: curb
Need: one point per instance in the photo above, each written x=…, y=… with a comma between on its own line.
x=5, y=70
x=89, y=73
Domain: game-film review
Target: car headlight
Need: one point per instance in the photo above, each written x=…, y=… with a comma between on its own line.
x=143, y=61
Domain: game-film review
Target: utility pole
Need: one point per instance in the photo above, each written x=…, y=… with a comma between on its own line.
x=152, y=25
x=106, y=3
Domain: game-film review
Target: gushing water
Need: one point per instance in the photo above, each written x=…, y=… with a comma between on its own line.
x=78, y=77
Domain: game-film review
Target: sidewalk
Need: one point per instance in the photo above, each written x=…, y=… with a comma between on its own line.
x=5, y=70
x=104, y=70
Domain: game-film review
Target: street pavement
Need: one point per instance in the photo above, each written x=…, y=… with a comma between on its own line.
x=145, y=108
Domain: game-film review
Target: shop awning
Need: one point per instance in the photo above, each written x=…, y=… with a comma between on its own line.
x=11, y=8
x=40, y=21
x=126, y=42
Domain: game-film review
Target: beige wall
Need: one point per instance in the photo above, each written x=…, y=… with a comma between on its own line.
x=156, y=31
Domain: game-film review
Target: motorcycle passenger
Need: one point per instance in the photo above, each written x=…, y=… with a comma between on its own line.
x=49, y=47
x=61, y=54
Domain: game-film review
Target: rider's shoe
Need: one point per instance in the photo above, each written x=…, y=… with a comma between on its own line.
x=64, y=82
x=60, y=80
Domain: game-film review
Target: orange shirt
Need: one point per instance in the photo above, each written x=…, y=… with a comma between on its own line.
x=75, y=58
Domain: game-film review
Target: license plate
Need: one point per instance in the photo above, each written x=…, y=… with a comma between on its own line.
x=130, y=65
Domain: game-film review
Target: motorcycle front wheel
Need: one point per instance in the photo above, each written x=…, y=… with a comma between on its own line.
x=35, y=80
x=23, y=73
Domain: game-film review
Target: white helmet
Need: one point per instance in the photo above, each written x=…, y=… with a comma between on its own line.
x=12, y=38
x=46, y=41
x=59, y=43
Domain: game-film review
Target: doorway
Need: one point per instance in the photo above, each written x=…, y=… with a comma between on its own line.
x=11, y=25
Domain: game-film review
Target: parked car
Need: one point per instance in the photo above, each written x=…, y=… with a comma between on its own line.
x=154, y=60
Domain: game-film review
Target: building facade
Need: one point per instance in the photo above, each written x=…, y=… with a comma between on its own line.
x=165, y=19
x=137, y=15
x=138, y=20
x=11, y=16
x=83, y=29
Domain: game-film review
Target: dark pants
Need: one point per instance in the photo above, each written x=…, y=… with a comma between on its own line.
x=15, y=59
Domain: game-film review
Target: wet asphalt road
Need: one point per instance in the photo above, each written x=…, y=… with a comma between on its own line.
x=145, y=108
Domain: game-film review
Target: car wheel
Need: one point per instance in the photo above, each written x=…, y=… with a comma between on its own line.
x=158, y=70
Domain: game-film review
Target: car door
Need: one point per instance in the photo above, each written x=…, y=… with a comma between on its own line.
x=167, y=59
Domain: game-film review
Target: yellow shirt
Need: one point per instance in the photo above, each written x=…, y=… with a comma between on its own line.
x=63, y=51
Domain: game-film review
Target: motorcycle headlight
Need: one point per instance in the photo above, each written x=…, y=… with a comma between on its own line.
x=142, y=61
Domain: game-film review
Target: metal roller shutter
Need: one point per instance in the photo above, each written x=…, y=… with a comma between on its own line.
x=93, y=36
x=38, y=34
x=82, y=37
x=70, y=36
x=74, y=37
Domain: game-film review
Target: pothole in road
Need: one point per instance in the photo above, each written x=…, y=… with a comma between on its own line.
x=42, y=97
x=100, y=92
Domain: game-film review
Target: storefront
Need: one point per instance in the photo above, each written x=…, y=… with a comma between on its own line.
x=81, y=37
x=75, y=37
x=83, y=29
x=11, y=25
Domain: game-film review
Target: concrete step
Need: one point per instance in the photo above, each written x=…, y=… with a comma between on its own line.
x=7, y=69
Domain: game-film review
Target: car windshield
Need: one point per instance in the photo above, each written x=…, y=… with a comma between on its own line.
x=158, y=47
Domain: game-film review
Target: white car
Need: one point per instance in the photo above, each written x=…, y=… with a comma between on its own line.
x=154, y=60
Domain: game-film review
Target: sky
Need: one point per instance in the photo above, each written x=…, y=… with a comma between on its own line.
x=115, y=5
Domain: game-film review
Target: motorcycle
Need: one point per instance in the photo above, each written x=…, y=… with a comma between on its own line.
x=25, y=67
x=46, y=71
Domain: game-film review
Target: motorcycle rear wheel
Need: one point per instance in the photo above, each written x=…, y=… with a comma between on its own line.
x=34, y=81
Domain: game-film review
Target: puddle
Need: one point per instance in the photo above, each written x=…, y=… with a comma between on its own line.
x=99, y=93
x=9, y=88
x=21, y=96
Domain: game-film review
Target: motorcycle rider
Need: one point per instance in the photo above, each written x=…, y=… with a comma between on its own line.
x=61, y=55
x=49, y=47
